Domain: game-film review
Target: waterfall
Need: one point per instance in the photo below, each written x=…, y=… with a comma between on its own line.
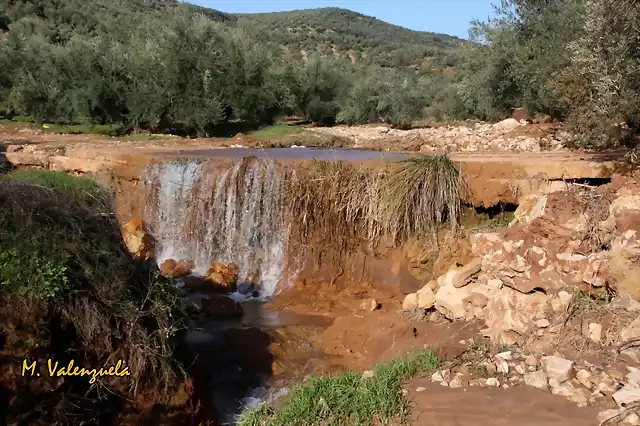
x=208, y=212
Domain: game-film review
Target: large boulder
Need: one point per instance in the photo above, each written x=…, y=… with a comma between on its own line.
x=510, y=314
x=450, y=300
x=223, y=276
x=506, y=125
x=138, y=241
x=176, y=269
x=530, y=208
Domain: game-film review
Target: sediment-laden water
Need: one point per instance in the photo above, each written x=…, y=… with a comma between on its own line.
x=207, y=213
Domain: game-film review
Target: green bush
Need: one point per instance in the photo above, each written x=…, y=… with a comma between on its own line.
x=64, y=266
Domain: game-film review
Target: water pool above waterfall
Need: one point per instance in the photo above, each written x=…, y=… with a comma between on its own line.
x=300, y=153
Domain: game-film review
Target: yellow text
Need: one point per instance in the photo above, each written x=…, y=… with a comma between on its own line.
x=118, y=370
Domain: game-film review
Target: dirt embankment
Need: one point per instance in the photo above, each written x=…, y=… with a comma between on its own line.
x=547, y=306
x=506, y=136
x=540, y=287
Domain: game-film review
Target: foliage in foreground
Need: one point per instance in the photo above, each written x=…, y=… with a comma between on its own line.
x=63, y=266
x=348, y=398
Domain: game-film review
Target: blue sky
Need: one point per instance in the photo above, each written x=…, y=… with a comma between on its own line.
x=438, y=16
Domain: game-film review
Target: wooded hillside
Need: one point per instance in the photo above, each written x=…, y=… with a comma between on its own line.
x=170, y=66
x=380, y=43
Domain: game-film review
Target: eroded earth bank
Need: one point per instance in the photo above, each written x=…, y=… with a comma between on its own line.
x=520, y=272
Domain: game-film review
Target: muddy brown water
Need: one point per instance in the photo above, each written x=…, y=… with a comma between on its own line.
x=233, y=358
x=324, y=154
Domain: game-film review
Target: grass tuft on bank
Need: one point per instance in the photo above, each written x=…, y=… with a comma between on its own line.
x=403, y=200
x=420, y=194
x=348, y=398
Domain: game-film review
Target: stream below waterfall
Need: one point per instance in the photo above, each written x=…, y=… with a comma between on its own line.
x=210, y=214
x=234, y=358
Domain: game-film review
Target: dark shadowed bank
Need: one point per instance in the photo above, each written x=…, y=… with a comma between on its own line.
x=70, y=291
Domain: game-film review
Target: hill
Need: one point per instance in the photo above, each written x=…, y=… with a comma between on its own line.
x=327, y=30
x=364, y=38
x=59, y=18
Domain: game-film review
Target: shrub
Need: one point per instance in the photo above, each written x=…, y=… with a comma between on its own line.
x=68, y=283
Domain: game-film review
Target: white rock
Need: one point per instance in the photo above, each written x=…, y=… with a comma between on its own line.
x=450, y=300
x=606, y=384
x=507, y=124
x=420, y=389
x=632, y=331
x=456, y=382
x=579, y=396
x=506, y=355
x=520, y=369
x=632, y=419
x=531, y=360
x=440, y=376
x=426, y=298
x=594, y=332
x=368, y=374
x=626, y=302
x=495, y=283
x=605, y=415
x=537, y=379
x=633, y=354
x=492, y=382
x=410, y=302
x=557, y=368
x=511, y=313
x=633, y=377
x=627, y=395
x=561, y=303
x=542, y=323
x=584, y=377
x=502, y=366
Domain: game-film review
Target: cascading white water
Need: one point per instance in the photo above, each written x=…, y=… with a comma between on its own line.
x=208, y=214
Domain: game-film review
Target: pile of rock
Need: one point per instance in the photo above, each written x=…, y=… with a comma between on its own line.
x=523, y=275
x=507, y=135
x=580, y=382
x=527, y=280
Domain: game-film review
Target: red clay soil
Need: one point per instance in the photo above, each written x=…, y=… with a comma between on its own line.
x=360, y=338
x=524, y=406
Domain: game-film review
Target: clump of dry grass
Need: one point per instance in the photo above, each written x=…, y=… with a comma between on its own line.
x=323, y=201
x=420, y=194
x=346, y=203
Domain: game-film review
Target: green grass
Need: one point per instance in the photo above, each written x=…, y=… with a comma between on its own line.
x=276, y=130
x=226, y=130
x=73, y=129
x=83, y=129
x=348, y=398
x=79, y=188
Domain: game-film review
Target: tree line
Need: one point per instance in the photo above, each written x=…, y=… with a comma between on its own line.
x=172, y=66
